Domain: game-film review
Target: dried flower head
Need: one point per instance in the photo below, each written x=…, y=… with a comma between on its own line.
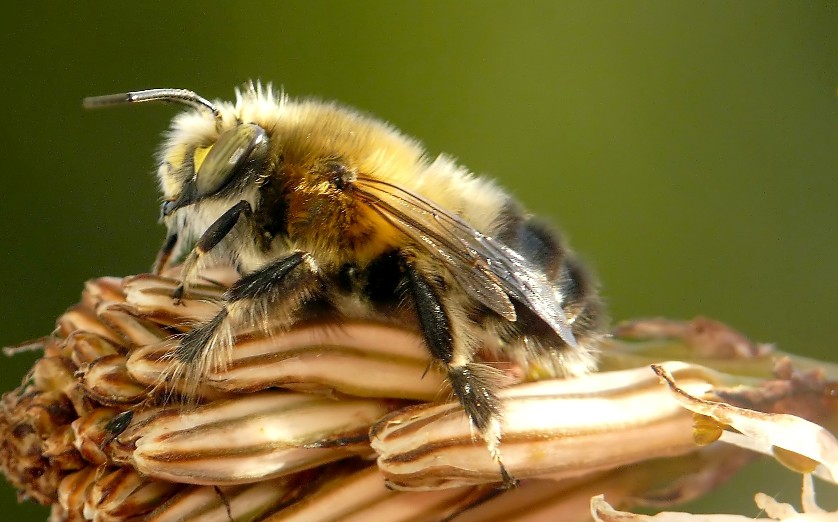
x=342, y=419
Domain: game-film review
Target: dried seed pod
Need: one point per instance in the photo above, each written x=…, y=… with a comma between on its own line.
x=91, y=434
x=135, y=330
x=124, y=493
x=72, y=492
x=83, y=319
x=86, y=348
x=357, y=495
x=281, y=433
x=107, y=381
x=243, y=502
x=315, y=357
x=249, y=438
x=151, y=297
x=558, y=429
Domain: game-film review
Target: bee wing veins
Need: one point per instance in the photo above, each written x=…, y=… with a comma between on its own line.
x=487, y=269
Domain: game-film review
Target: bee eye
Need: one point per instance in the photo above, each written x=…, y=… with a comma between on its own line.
x=245, y=146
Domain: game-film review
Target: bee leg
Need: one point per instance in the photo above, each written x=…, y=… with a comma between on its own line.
x=213, y=235
x=161, y=262
x=472, y=383
x=278, y=288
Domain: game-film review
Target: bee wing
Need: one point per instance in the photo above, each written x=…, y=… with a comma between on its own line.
x=488, y=270
x=480, y=284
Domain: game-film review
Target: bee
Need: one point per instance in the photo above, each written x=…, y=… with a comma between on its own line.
x=314, y=202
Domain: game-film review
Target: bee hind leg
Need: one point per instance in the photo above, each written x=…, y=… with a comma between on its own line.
x=473, y=384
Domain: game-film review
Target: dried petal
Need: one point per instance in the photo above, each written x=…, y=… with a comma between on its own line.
x=763, y=431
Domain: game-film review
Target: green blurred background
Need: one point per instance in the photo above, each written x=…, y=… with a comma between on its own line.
x=687, y=149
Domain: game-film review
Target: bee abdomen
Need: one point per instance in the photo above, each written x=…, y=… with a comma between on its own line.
x=529, y=340
x=580, y=299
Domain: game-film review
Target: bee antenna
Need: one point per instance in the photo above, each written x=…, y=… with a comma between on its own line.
x=183, y=96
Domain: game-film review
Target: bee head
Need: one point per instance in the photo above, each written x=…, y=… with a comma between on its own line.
x=209, y=152
x=296, y=162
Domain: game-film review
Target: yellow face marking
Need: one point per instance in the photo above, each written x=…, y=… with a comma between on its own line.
x=199, y=156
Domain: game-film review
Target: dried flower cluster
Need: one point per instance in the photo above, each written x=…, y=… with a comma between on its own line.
x=345, y=420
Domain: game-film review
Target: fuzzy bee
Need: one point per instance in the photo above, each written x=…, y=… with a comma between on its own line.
x=317, y=203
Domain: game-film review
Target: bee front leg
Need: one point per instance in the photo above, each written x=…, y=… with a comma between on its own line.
x=164, y=255
x=208, y=240
x=275, y=291
x=474, y=384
